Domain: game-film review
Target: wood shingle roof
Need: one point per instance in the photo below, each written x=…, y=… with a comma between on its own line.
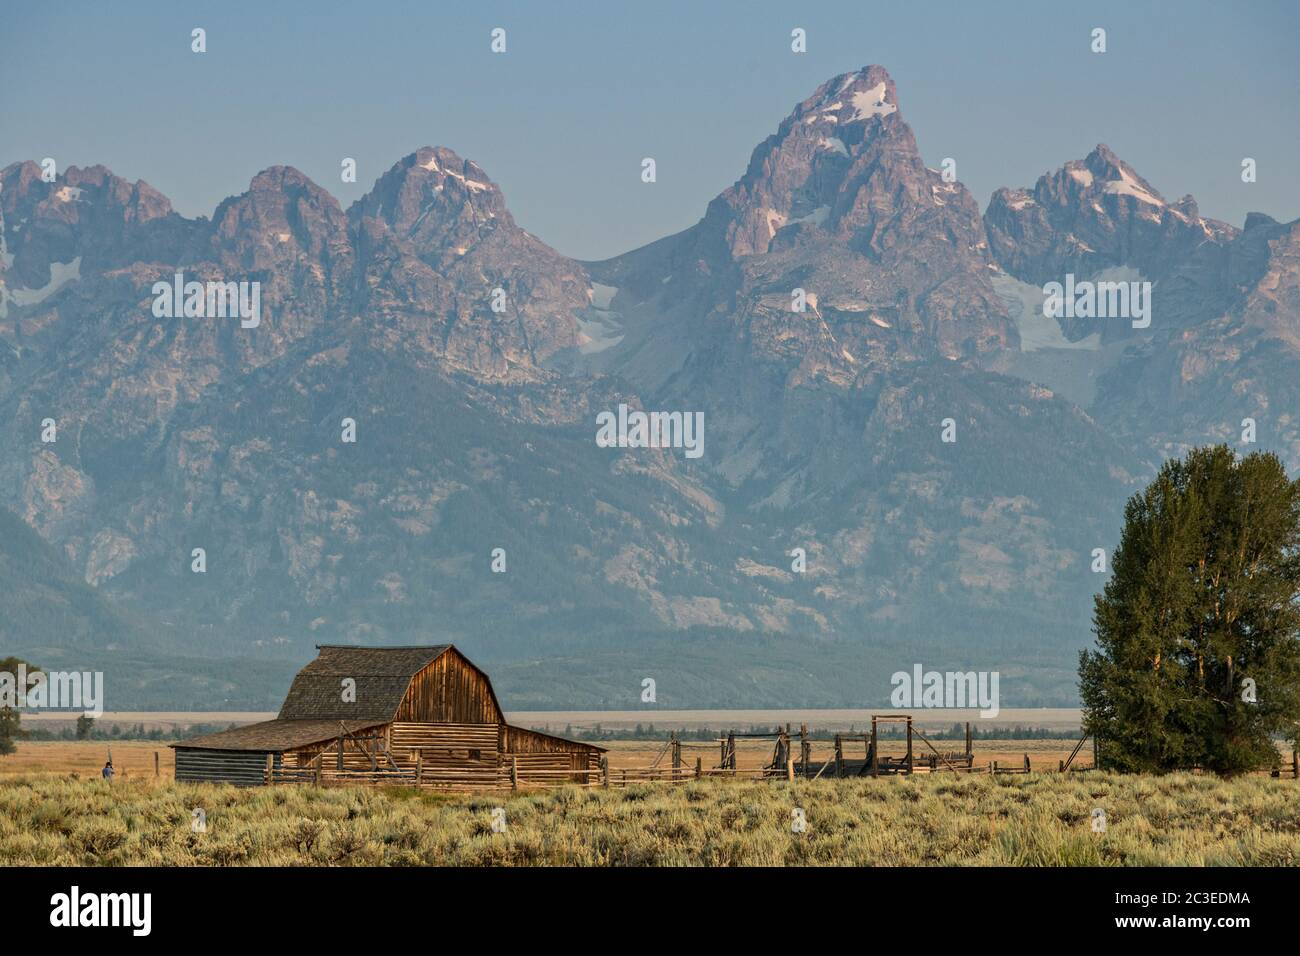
x=275, y=736
x=382, y=675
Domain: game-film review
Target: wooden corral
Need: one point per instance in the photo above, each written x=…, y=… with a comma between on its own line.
x=791, y=758
x=423, y=716
x=788, y=762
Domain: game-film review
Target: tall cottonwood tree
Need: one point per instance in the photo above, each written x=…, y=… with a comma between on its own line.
x=10, y=719
x=1201, y=614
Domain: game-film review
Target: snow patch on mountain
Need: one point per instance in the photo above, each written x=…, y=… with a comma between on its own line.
x=816, y=217
x=1025, y=305
x=470, y=184
x=869, y=103
x=61, y=273
x=1126, y=185
x=602, y=295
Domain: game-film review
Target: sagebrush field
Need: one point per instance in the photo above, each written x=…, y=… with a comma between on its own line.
x=1031, y=820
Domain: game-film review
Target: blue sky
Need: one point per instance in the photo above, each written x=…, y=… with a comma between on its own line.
x=586, y=89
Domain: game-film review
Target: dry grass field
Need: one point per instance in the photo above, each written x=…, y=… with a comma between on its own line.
x=941, y=819
x=132, y=758
x=162, y=719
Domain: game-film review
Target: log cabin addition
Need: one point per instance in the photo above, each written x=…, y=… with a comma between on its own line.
x=423, y=716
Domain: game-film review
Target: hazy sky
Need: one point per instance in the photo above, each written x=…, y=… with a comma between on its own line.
x=586, y=89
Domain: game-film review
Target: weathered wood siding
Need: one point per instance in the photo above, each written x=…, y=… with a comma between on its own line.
x=552, y=761
x=452, y=738
x=357, y=752
x=517, y=740
x=243, y=768
x=450, y=756
x=450, y=690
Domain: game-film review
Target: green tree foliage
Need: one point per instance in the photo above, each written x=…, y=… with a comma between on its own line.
x=1203, y=604
x=85, y=727
x=9, y=730
x=10, y=719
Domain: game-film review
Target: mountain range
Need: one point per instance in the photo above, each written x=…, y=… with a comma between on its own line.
x=835, y=315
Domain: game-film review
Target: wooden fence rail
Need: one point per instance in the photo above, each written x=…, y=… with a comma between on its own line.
x=516, y=772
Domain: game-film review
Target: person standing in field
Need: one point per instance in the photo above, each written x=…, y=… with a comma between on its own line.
x=107, y=772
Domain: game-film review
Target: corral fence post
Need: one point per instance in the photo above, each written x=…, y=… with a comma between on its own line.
x=270, y=769
x=699, y=768
x=875, y=750
x=1027, y=769
x=514, y=773
x=677, y=754
x=839, y=755
x=909, y=745
x=805, y=749
x=157, y=771
x=317, y=764
x=1295, y=764
x=604, y=772
x=419, y=767
x=789, y=768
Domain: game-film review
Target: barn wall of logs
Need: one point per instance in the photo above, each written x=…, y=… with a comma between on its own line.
x=545, y=750
x=243, y=768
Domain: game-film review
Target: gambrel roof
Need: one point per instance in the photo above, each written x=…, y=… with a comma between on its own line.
x=382, y=675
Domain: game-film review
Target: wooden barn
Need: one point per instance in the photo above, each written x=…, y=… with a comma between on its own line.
x=423, y=716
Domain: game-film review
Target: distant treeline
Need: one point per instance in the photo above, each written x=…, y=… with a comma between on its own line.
x=124, y=732
x=887, y=732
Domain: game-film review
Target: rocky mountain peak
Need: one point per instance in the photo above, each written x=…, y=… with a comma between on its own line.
x=24, y=193
x=86, y=215
x=439, y=202
x=837, y=202
x=282, y=214
x=1102, y=172
x=444, y=264
x=1092, y=214
x=852, y=98
x=809, y=173
x=1256, y=219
